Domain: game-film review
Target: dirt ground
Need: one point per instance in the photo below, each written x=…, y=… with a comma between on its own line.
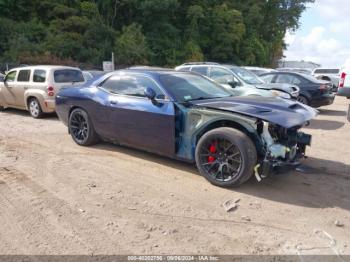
x=59, y=198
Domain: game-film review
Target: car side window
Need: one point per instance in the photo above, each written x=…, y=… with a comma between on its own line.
x=132, y=85
x=267, y=78
x=200, y=70
x=23, y=76
x=39, y=76
x=10, y=77
x=220, y=75
x=296, y=80
x=285, y=79
x=216, y=72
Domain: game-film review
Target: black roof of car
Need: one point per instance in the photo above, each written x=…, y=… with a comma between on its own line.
x=305, y=76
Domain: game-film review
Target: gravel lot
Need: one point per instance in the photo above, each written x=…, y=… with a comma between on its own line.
x=59, y=198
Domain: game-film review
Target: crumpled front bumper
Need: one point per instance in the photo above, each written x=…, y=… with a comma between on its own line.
x=279, y=155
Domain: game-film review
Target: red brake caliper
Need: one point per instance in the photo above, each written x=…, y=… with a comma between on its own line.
x=212, y=149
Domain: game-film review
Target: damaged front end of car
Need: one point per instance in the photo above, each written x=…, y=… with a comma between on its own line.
x=274, y=125
x=281, y=147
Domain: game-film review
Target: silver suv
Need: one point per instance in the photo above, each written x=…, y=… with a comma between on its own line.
x=34, y=88
x=242, y=81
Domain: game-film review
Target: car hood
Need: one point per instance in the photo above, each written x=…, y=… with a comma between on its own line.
x=283, y=112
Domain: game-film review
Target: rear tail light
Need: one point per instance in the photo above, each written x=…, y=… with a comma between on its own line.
x=323, y=87
x=342, y=79
x=50, y=91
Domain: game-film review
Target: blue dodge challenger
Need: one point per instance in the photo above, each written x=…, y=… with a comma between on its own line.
x=188, y=117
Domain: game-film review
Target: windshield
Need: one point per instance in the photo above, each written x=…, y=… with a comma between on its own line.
x=246, y=76
x=186, y=87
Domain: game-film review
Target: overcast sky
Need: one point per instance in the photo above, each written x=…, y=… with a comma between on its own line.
x=324, y=34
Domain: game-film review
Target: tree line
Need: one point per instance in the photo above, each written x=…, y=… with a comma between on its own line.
x=150, y=32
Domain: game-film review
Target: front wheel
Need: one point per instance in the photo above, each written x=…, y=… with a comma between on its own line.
x=81, y=128
x=226, y=157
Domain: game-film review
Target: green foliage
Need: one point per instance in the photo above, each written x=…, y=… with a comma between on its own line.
x=156, y=32
x=131, y=46
x=226, y=30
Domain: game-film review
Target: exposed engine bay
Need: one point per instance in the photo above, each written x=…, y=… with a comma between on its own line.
x=281, y=147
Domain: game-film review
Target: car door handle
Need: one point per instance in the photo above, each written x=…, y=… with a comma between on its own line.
x=113, y=102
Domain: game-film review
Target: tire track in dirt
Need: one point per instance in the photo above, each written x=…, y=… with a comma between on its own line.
x=35, y=211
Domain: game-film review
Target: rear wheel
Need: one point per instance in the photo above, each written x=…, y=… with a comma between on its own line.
x=303, y=100
x=226, y=157
x=35, y=108
x=81, y=128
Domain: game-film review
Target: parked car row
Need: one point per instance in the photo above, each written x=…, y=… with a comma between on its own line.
x=304, y=88
x=242, y=81
x=229, y=128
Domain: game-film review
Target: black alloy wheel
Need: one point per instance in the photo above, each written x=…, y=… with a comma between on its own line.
x=81, y=128
x=226, y=156
x=220, y=158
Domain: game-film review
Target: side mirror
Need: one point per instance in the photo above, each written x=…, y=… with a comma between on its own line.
x=150, y=93
x=233, y=82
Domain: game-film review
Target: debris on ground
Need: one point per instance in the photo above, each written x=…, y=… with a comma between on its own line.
x=231, y=205
x=91, y=185
x=338, y=223
x=246, y=218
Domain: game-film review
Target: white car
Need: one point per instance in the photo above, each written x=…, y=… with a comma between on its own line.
x=33, y=88
x=344, y=83
x=328, y=74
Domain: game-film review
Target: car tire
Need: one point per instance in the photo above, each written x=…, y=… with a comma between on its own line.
x=2, y=108
x=35, y=108
x=226, y=157
x=81, y=128
x=302, y=99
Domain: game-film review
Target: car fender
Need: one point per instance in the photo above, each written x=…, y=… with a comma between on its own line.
x=211, y=119
x=198, y=121
x=38, y=94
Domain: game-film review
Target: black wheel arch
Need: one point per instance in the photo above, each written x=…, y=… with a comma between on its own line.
x=30, y=98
